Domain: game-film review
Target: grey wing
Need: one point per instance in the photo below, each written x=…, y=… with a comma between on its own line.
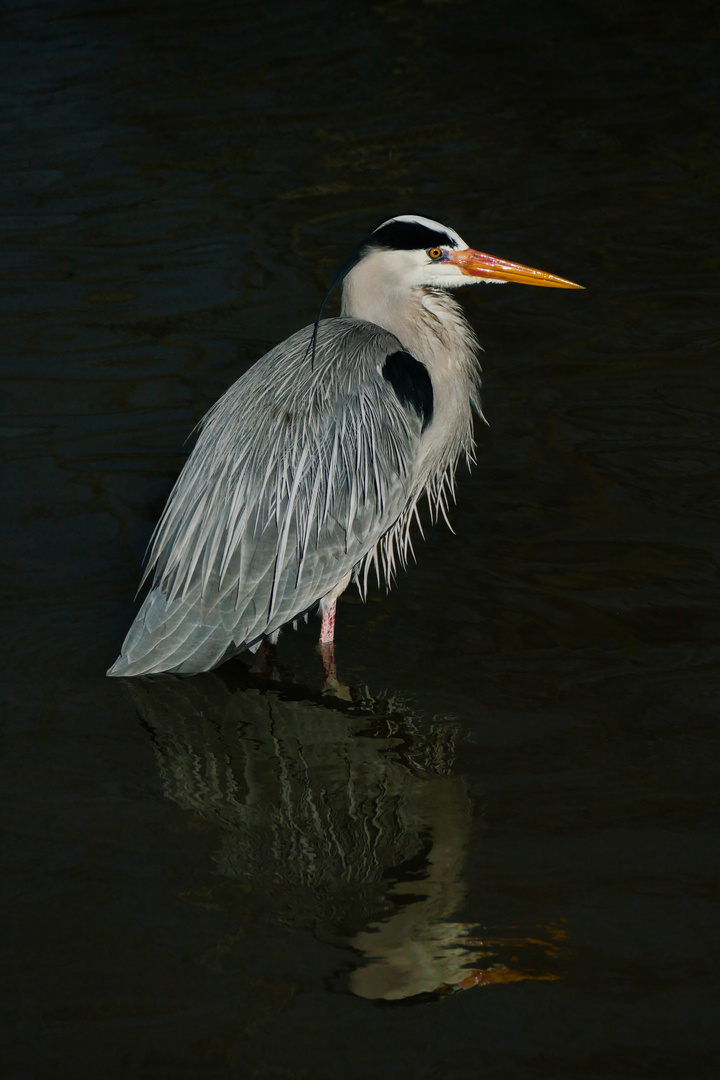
x=299, y=472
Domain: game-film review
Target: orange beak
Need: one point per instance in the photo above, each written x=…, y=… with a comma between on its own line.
x=478, y=264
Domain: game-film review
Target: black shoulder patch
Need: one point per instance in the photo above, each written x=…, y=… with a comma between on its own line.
x=409, y=236
x=412, y=384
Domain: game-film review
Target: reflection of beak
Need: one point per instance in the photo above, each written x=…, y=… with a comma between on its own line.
x=478, y=264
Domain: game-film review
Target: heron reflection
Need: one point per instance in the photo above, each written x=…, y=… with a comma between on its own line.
x=343, y=817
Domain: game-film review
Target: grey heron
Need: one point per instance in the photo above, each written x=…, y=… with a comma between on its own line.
x=309, y=470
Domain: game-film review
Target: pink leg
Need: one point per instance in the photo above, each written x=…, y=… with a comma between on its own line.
x=327, y=627
x=326, y=648
x=327, y=644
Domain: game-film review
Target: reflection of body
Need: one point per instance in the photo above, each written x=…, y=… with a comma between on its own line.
x=344, y=820
x=415, y=951
x=316, y=804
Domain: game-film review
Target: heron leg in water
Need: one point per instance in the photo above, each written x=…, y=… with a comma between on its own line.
x=333, y=686
x=327, y=652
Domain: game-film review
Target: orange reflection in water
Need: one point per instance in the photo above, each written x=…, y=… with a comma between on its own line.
x=549, y=946
x=446, y=957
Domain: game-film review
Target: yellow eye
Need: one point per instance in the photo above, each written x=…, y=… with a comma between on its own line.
x=435, y=253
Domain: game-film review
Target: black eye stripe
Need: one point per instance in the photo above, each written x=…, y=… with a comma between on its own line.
x=409, y=236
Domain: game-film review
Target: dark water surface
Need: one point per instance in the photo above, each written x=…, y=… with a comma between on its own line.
x=501, y=858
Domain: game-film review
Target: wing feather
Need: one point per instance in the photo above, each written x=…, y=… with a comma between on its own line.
x=299, y=471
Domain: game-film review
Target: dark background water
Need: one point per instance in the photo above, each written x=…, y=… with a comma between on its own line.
x=198, y=873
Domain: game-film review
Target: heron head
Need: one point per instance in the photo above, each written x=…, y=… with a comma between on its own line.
x=418, y=251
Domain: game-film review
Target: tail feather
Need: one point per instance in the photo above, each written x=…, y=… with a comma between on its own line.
x=167, y=636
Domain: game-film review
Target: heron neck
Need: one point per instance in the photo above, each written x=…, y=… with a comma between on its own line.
x=428, y=322
x=431, y=326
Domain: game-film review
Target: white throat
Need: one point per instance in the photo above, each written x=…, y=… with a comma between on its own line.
x=427, y=321
x=432, y=327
